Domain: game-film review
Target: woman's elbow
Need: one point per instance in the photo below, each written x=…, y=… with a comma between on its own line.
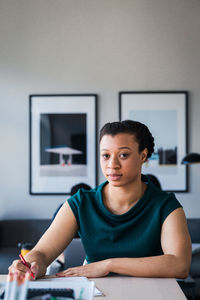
x=182, y=274
x=182, y=270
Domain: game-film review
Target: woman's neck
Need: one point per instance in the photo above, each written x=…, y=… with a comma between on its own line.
x=120, y=199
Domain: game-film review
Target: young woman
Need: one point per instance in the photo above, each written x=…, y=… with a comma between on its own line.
x=127, y=225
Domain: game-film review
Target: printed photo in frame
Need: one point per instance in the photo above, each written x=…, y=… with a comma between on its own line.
x=62, y=142
x=166, y=115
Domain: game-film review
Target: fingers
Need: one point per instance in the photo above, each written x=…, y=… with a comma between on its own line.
x=19, y=268
x=77, y=271
x=34, y=268
x=67, y=272
x=97, y=269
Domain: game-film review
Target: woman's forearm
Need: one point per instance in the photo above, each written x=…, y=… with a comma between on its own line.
x=154, y=266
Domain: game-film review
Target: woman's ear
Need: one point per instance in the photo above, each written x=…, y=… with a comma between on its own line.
x=144, y=155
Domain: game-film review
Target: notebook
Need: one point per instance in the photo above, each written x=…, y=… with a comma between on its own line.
x=83, y=289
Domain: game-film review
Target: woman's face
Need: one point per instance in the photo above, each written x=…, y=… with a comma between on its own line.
x=120, y=158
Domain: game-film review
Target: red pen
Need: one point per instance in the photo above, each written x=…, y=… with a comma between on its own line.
x=25, y=263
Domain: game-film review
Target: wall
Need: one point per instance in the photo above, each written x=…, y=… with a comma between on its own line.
x=82, y=46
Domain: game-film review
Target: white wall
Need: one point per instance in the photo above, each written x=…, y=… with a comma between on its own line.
x=79, y=46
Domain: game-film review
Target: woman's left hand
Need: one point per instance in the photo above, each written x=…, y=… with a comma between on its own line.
x=97, y=269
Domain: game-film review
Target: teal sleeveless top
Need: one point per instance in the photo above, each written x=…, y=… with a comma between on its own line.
x=135, y=233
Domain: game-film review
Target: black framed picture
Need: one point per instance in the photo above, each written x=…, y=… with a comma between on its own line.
x=165, y=114
x=62, y=142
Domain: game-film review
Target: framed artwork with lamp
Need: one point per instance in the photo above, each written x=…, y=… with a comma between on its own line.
x=166, y=115
x=62, y=142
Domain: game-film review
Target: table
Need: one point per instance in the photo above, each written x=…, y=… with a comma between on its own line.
x=129, y=288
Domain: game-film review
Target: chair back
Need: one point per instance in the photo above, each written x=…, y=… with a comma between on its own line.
x=74, y=254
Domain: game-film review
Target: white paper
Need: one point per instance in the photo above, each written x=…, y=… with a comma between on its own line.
x=84, y=288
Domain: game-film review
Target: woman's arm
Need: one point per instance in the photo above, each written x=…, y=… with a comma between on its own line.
x=175, y=262
x=52, y=243
x=176, y=245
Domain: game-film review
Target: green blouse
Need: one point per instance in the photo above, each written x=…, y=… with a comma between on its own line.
x=135, y=233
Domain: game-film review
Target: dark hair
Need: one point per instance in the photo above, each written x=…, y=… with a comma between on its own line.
x=154, y=180
x=76, y=187
x=140, y=131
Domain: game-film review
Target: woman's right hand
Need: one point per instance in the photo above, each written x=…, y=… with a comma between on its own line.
x=19, y=268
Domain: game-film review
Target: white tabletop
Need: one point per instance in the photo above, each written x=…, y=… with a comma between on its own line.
x=130, y=288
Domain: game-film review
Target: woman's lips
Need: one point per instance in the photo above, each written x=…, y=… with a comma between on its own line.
x=114, y=177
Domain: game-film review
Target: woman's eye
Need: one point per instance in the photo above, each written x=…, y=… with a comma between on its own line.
x=105, y=156
x=124, y=155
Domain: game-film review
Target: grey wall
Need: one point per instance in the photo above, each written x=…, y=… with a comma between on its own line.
x=80, y=46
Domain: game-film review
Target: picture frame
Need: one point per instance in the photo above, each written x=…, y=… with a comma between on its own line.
x=166, y=115
x=62, y=142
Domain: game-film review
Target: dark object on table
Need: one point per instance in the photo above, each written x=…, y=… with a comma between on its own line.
x=68, y=293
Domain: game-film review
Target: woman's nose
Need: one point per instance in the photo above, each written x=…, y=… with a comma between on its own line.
x=113, y=162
